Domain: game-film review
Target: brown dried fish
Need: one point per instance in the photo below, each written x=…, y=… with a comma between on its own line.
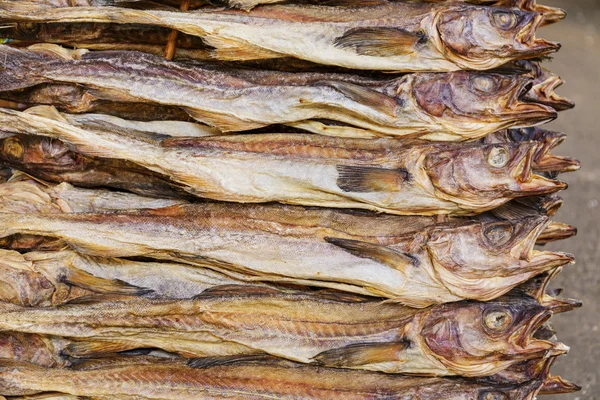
x=211, y=378
x=382, y=175
x=450, y=106
x=394, y=36
x=326, y=330
x=415, y=260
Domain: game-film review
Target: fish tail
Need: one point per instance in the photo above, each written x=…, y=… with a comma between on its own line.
x=18, y=68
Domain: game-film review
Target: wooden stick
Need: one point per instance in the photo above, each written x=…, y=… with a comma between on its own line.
x=172, y=43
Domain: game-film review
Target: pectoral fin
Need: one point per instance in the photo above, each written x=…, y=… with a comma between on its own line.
x=90, y=282
x=380, y=42
x=360, y=354
x=370, y=179
x=365, y=96
x=381, y=254
x=79, y=349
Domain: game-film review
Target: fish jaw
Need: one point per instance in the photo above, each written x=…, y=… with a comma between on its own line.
x=557, y=231
x=538, y=186
x=543, y=91
x=521, y=112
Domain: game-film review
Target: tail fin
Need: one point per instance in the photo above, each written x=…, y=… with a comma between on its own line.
x=17, y=68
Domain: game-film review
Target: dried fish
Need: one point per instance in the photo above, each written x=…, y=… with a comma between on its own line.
x=382, y=175
x=228, y=378
x=394, y=36
x=449, y=106
x=415, y=260
x=329, y=331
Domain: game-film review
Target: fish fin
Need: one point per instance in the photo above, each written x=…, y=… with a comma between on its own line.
x=361, y=354
x=90, y=282
x=237, y=290
x=17, y=68
x=380, y=42
x=49, y=112
x=370, y=179
x=208, y=362
x=86, y=349
x=376, y=252
x=224, y=123
x=365, y=96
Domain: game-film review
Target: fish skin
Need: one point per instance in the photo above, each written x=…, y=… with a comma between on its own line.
x=388, y=36
x=325, y=248
x=451, y=106
x=382, y=175
x=382, y=336
x=228, y=378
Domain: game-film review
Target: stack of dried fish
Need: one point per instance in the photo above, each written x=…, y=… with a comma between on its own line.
x=318, y=199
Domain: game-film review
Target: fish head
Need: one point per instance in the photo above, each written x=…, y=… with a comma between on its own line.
x=456, y=99
x=475, y=338
x=483, y=260
x=36, y=151
x=483, y=173
x=483, y=37
x=20, y=284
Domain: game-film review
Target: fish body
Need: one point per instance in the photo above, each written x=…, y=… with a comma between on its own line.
x=388, y=256
x=394, y=36
x=228, y=378
x=343, y=333
x=449, y=106
x=381, y=175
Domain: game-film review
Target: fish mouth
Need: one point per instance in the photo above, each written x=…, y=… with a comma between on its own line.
x=547, y=162
x=558, y=385
x=556, y=231
x=529, y=113
x=554, y=163
x=533, y=46
x=544, y=93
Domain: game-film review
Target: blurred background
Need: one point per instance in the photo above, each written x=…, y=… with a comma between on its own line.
x=578, y=63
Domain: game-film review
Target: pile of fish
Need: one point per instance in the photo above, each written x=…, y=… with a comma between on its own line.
x=284, y=199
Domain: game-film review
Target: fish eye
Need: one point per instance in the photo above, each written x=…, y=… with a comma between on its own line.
x=492, y=396
x=13, y=148
x=497, y=320
x=498, y=234
x=498, y=157
x=484, y=84
x=505, y=20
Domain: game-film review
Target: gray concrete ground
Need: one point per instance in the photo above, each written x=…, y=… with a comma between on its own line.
x=578, y=63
